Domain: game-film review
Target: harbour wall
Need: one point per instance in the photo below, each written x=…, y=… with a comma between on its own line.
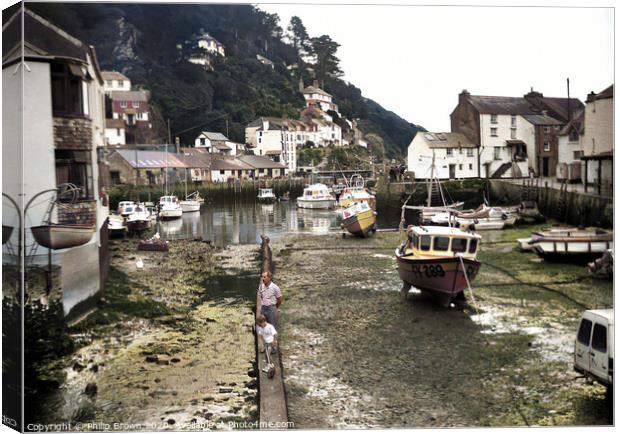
x=571, y=207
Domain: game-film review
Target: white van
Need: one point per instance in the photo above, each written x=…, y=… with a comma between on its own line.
x=594, y=346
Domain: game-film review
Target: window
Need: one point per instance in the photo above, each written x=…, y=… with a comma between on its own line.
x=460, y=167
x=513, y=121
x=124, y=104
x=118, y=131
x=577, y=155
x=135, y=104
x=473, y=245
x=513, y=133
x=75, y=167
x=461, y=151
x=66, y=89
x=583, y=335
x=496, y=152
x=222, y=172
x=493, y=132
x=260, y=140
x=599, y=338
x=547, y=146
x=425, y=242
x=203, y=141
x=119, y=83
x=573, y=136
x=449, y=152
x=470, y=152
x=471, y=166
x=441, y=243
x=493, y=119
x=459, y=244
x=546, y=129
x=115, y=177
x=108, y=83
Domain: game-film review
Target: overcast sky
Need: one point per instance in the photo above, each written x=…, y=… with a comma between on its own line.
x=415, y=60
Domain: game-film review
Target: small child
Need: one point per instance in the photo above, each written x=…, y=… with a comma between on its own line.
x=267, y=332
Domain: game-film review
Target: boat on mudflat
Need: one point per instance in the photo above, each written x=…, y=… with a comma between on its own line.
x=140, y=219
x=572, y=244
x=116, y=225
x=125, y=207
x=359, y=219
x=316, y=196
x=439, y=260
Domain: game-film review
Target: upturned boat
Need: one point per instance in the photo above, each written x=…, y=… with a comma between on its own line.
x=316, y=196
x=359, y=219
x=572, y=244
x=266, y=195
x=169, y=208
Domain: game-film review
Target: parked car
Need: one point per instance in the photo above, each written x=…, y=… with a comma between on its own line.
x=594, y=346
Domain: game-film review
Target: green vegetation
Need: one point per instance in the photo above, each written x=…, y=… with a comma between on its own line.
x=141, y=40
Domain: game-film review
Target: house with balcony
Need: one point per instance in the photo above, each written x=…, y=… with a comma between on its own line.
x=217, y=143
x=453, y=154
x=53, y=132
x=317, y=97
x=516, y=135
x=132, y=108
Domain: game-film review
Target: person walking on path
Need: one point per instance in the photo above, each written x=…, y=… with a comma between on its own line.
x=270, y=298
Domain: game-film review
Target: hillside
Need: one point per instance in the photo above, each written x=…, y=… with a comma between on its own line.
x=141, y=40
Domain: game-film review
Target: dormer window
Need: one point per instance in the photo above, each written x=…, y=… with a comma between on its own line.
x=135, y=104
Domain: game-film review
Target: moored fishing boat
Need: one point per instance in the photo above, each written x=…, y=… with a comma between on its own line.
x=140, y=219
x=572, y=244
x=316, y=196
x=266, y=195
x=169, y=208
x=359, y=219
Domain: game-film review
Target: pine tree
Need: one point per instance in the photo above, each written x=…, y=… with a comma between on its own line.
x=327, y=64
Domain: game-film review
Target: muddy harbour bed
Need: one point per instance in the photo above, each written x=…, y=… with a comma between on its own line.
x=171, y=346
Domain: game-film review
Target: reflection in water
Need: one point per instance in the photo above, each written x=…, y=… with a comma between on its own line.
x=244, y=223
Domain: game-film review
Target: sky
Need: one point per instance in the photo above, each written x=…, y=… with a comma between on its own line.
x=415, y=60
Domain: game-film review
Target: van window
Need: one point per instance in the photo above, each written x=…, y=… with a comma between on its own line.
x=441, y=243
x=459, y=244
x=473, y=244
x=599, y=338
x=425, y=242
x=584, y=332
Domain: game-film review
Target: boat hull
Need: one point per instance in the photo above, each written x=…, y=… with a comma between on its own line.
x=360, y=224
x=138, y=225
x=168, y=214
x=267, y=199
x=316, y=204
x=62, y=236
x=190, y=206
x=442, y=276
x=577, y=251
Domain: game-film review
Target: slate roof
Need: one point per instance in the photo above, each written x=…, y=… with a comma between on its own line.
x=113, y=75
x=214, y=136
x=41, y=38
x=221, y=164
x=508, y=105
x=445, y=140
x=577, y=122
x=541, y=120
x=607, y=93
x=260, y=162
x=151, y=159
x=129, y=95
x=312, y=89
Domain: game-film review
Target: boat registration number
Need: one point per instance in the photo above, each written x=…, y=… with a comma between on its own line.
x=428, y=270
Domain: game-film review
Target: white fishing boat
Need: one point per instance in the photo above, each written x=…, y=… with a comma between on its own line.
x=125, y=207
x=140, y=219
x=169, y=208
x=316, y=196
x=116, y=225
x=266, y=195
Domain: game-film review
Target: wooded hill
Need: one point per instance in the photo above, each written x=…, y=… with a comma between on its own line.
x=140, y=40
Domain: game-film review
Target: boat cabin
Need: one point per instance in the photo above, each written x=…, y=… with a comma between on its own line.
x=436, y=241
x=265, y=192
x=166, y=200
x=316, y=191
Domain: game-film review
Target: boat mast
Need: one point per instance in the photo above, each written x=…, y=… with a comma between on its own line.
x=166, y=170
x=430, y=184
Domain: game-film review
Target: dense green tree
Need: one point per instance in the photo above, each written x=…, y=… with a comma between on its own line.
x=299, y=35
x=327, y=64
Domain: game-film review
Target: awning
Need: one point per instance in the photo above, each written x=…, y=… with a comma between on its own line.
x=514, y=142
x=609, y=155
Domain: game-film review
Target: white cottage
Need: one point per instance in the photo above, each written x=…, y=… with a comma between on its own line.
x=455, y=156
